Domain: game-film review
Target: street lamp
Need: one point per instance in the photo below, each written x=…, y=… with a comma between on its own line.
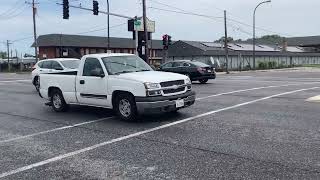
x=254, y=32
x=108, y=15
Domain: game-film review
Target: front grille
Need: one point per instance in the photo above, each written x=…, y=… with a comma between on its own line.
x=172, y=83
x=171, y=91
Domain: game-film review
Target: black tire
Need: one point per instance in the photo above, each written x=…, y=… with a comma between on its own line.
x=203, y=81
x=57, y=101
x=125, y=107
x=36, y=83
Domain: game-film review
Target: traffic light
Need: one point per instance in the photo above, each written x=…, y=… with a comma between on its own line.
x=169, y=40
x=65, y=9
x=95, y=7
x=165, y=40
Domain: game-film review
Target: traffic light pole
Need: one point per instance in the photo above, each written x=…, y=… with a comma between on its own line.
x=145, y=31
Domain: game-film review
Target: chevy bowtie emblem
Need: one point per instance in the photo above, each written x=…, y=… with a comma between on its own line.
x=175, y=87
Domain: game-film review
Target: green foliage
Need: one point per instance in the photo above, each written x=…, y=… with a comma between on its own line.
x=269, y=65
x=3, y=55
x=229, y=39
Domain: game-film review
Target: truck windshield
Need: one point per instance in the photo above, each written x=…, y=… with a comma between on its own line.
x=125, y=64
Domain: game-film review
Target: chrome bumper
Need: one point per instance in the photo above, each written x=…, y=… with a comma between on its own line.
x=146, y=105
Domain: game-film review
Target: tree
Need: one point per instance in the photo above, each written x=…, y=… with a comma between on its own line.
x=3, y=55
x=221, y=40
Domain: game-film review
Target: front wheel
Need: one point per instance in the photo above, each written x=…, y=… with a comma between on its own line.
x=203, y=81
x=57, y=101
x=126, y=107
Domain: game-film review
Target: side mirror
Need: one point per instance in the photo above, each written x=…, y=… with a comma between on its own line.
x=97, y=73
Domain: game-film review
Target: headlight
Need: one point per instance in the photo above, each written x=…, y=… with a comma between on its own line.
x=152, y=85
x=188, y=81
x=154, y=93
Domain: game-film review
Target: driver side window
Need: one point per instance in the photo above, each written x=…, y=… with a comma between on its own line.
x=90, y=65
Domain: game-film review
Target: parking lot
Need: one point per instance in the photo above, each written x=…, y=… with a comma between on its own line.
x=249, y=125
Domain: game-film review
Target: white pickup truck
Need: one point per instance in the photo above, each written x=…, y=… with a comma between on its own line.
x=122, y=82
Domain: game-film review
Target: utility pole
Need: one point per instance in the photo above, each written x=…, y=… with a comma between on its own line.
x=108, y=15
x=8, y=54
x=145, y=31
x=226, y=41
x=34, y=11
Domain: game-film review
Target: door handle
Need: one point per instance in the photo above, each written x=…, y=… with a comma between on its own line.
x=82, y=81
x=40, y=70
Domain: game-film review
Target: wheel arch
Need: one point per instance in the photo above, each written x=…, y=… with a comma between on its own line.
x=116, y=93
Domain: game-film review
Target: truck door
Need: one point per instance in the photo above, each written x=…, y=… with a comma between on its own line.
x=92, y=84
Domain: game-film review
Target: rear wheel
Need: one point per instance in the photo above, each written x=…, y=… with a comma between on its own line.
x=57, y=101
x=203, y=81
x=36, y=83
x=125, y=107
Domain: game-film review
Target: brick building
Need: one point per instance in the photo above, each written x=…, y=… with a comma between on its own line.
x=75, y=46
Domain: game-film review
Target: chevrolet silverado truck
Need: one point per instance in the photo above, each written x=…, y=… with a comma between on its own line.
x=122, y=82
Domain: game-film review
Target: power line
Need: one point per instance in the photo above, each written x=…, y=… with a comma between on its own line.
x=11, y=16
x=102, y=29
x=202, y=15
x=187, y=13
x=13, y=9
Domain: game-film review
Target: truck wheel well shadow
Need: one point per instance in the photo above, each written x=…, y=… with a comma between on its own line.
x=116, y=94
x=51, y=90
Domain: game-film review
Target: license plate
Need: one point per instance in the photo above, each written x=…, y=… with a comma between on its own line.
x=179, y=103
x=209, y=71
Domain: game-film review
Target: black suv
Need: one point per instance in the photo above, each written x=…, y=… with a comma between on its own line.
x=196, y=71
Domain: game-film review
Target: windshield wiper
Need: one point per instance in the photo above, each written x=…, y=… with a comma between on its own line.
x=122, y=72
x=143, y=70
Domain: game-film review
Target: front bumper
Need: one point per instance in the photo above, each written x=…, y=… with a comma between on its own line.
x=205, y=76
x=147, y=105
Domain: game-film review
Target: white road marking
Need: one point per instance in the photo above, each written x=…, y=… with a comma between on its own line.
x=314, y=99
x=19, y=80
x=52, y=130
x=63, y=156
x=252, y=89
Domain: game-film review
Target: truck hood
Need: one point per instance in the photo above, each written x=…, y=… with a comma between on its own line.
x=152, y=76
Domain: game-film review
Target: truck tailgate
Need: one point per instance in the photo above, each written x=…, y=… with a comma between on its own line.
x=65, y=82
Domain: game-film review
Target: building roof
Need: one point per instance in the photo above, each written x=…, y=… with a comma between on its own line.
x=194, y=48
x=65, y=40
x=304, y=41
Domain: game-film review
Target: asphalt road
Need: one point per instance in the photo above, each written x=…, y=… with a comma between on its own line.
x=250, y=125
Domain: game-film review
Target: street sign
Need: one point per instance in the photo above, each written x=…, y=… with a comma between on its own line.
x=137, y=22
x=137, y=25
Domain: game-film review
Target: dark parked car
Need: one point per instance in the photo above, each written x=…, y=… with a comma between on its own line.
x=197, y=71
x=215, y=63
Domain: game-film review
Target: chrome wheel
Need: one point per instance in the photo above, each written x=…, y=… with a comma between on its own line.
x=57, y=102
x=125, y=108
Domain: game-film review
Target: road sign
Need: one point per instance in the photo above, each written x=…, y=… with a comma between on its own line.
x=137, y=25
x=137, y=22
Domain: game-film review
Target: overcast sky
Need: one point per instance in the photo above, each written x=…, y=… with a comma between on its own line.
x=284, y=17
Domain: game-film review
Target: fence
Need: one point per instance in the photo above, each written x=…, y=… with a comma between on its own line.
x=244, y=62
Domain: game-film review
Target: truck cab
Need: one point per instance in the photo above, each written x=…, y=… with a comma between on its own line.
x=122, y=82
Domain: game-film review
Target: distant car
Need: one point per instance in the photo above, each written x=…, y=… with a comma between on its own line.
x=196, y=71
x=52, y=66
